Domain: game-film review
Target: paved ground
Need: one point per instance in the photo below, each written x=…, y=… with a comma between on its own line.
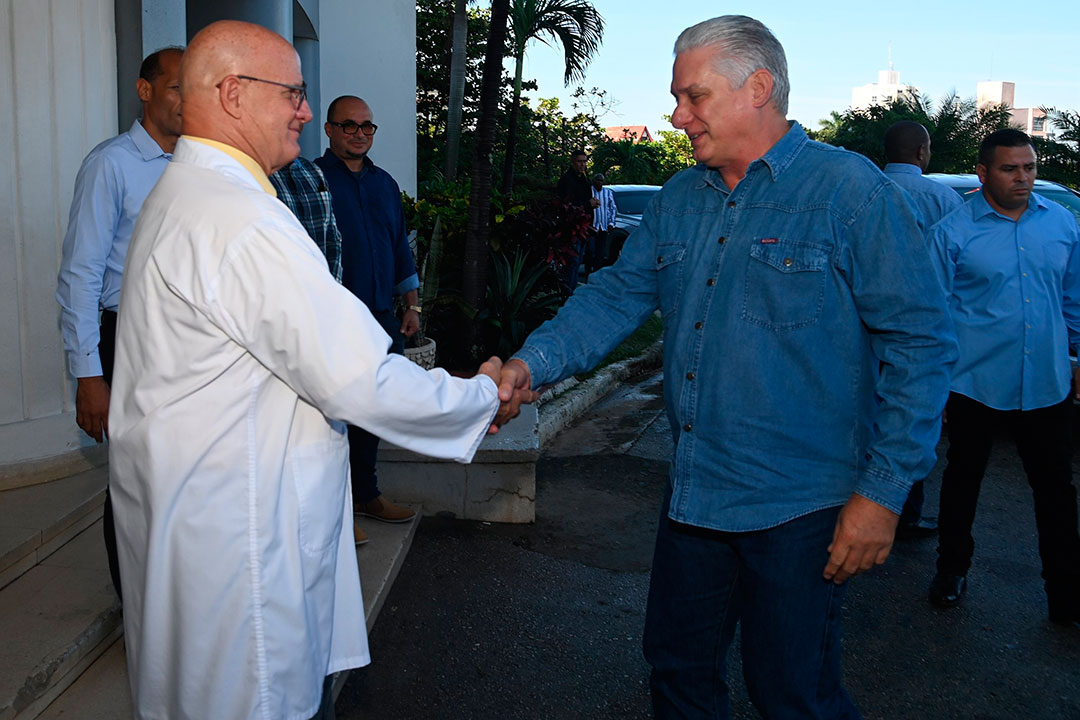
x=544, y=621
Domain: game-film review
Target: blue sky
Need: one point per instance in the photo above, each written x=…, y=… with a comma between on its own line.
x=834, y=46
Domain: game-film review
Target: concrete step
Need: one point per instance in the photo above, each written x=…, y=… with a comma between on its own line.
x=102, y=691
x=37, y=520
x=55, y=620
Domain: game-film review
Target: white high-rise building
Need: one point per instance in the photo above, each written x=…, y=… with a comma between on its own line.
x=1031, y=120
x=887, y=89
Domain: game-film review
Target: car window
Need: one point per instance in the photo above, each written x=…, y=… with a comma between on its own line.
x=1062, y=197
x=633, y=202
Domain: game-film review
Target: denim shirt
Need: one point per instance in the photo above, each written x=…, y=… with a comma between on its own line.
x=807, y=345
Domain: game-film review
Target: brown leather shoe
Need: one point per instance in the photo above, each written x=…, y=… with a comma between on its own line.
x=359, y=536
x=382, y=509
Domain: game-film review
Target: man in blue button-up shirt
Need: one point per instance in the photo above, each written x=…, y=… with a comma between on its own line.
x=1009, y=261
x=806, y=356
x=907, y=148
x=112, y=184
x=376, y=264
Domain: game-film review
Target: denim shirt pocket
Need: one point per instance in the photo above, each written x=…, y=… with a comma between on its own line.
x=669, y=269
x=785, y=284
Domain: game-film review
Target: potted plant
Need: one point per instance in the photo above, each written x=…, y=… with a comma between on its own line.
x=420, y=348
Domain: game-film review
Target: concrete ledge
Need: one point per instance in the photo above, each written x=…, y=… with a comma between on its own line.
x=500, y=483
x=37, y=521
x=47, y=469
x=55, y=620
x=498, y=486
x=564, y=402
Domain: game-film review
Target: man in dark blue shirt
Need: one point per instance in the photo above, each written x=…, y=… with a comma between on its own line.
x=376, y=264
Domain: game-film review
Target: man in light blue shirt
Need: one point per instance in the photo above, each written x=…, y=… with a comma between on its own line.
x=806, y=355
x=110, y=187
x=597, y=255
x=1009, y=261
x=907, y=148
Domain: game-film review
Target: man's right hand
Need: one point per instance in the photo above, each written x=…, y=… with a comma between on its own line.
x=92, y=406
x=515, y=389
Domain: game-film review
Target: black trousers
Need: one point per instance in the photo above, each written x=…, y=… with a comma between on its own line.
x=1044, y=441
x=107, y=352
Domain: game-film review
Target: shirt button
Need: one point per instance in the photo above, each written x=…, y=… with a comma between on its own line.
x=690, y=376
x=1024, y=274
x=731, y=204
x=1021, y=247
x=660, y=259
x=788, y=262
x=698, y=325
x=710, y=282
x=722, y=240
x=1027, y=300
x=688, y=427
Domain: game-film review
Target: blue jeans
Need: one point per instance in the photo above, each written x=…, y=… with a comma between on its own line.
x=704, y=581
x=363, y=446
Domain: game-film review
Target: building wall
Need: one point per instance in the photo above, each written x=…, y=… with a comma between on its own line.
x=57, y=100
x=878, y=93
x=368, y=49
x=995, y=92
x=1030, y=120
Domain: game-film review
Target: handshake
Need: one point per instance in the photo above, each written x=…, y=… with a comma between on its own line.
x=515, y=387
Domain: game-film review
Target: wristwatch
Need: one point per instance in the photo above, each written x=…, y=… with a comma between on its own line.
x=417, y=308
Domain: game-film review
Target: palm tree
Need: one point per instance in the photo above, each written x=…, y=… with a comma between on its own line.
x=575, y=24
x=625, y=161
x=457, y=88
x=474, y=272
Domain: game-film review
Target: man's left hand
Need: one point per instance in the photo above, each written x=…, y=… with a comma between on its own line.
x=410, y=323
x=1076, y=382
x=863, y=538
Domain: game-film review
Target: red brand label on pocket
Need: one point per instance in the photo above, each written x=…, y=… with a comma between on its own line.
x=769, y=241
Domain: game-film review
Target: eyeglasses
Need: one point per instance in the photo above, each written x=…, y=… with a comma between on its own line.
x=297, y=92
x=349, y=127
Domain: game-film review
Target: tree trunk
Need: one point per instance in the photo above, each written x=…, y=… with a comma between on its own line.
x=474, y=272
x=457, y=88
x=547, y=150
x=511, y=132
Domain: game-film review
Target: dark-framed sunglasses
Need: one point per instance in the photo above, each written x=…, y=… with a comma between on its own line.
x=350, y=128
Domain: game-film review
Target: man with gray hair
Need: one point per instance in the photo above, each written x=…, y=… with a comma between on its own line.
x=806, y=355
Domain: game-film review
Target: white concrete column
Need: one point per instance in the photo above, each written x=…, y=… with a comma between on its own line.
x=58, y=100
x=369, y=49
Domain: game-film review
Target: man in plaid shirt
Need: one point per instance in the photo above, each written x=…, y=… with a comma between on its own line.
x=302, y=187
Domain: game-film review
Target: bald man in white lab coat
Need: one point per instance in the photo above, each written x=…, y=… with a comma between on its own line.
x=239, y=362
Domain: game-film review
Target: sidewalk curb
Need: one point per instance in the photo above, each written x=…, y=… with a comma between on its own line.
x=564, y=402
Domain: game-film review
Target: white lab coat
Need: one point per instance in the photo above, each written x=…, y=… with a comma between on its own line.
x=238, y=359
